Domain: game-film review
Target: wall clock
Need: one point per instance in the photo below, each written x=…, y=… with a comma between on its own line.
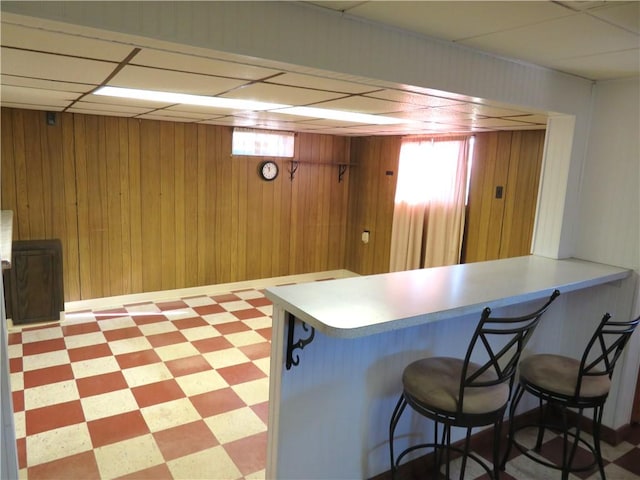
x=268, y=170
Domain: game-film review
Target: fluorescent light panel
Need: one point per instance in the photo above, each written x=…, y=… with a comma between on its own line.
x=187, y=99
x=238, y=104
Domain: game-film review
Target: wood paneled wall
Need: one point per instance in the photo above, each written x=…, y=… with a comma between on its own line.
x=371, y=202
x=142, y=205
x=503, y=227
x=495, y=228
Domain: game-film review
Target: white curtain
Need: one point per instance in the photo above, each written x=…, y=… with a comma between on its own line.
x=428, y=218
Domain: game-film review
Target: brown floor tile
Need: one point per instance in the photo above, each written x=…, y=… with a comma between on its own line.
x=108, y=430
x=184, y=440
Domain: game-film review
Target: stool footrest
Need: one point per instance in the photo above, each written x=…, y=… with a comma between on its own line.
x=538, y=459
x=437, y=446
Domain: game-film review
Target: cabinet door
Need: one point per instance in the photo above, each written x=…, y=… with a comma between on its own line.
x=37, y=293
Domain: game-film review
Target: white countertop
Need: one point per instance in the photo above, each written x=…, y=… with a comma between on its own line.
x=6, y=232
x=360, y=306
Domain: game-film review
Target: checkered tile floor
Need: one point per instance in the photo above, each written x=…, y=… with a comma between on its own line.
x=622, y=462
x=173, y=390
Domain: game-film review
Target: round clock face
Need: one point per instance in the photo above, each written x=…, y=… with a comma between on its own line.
x=269, y=170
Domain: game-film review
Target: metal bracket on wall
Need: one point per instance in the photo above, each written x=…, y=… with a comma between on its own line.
x=342, y=168
x=300, y=343
x=292, y=169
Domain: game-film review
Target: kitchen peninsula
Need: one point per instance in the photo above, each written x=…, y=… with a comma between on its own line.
x=329, y=407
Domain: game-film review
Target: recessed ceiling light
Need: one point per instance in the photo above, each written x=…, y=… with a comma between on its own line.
x=187, y=99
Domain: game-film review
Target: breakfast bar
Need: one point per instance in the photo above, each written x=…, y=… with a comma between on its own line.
x=339, y=347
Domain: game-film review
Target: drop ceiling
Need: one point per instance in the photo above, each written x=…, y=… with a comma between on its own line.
x=46, y=67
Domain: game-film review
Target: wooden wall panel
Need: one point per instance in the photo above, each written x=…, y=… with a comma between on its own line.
x=521, y=200
x=502, y=227
x=371, y=202
x=135, y=205
x=160, y=205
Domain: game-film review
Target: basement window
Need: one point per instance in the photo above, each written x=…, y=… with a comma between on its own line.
x=262, y=143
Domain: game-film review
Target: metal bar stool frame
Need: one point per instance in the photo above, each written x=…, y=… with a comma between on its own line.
x=598, y=360
x=498, y=370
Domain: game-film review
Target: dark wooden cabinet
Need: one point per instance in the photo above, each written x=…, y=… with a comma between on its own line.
x=36, y=281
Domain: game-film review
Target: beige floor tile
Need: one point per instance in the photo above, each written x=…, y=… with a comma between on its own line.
x=263, y=364
x=84, y=340
x=14, y=351
x=17, y=381
x=117, y=322
x=50, y=394
x=41, y=334
x=258, y=322
x=54, y=444
x=198, y=301
x=241, y=339
x=201, y=382
x=44, y=360
x=178, y=350
x=213, y=463
x=225, y=358
x=237, y=305
x=260, y=475
x=169, y=414
x=108, y=404
x=146, y=374
x=94, y=366
x=198, y=333
x=240, y=423
x=129, y=345
x=218, y=318
x=256, y=391
x=128, y=456
x=158, y=327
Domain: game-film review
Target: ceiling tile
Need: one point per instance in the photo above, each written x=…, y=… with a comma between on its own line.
x=106, y=107
x=366, y=105
x=166, y=118
x=29, y=106
x=66, y=44
x=323, y=122
x=557, y=39
x=200, y=64
x=436, y=115
x=231, y=121
x=538, y=119
x=46, y=84
x=498, y=123
x=54, y=67
x=89, y=111
x=461, y=19
x=320, y=83
x=170, y=81
x=211, y=111
x=11, y=93
x=192, y=115
x=279, y=94
x=411, y=98
x=484, y=110
x=623, y=14
x=605, y=65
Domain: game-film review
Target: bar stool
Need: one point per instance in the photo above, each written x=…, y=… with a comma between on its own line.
x=566, y=383
x=461, y=393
